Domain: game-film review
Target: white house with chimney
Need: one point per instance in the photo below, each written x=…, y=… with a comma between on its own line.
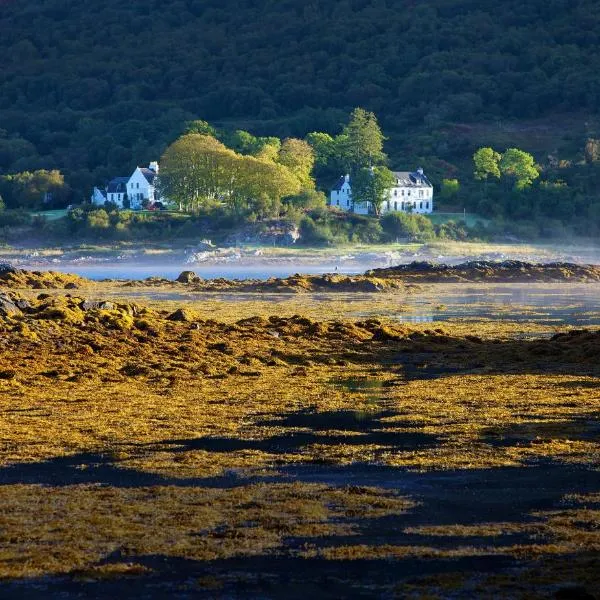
x=136, y=189
x=412, y=192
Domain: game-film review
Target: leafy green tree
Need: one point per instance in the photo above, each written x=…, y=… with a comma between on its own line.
x=450, y=189
x=31, y=189
x=201, y=127
x=372, y=185
x=520, y=167
x=399, y=225
x=2, y=205
x=361, y=144
x=324, y=147
x=194, y=169
x=298, y=156
x=308, y=199
x=487, y=164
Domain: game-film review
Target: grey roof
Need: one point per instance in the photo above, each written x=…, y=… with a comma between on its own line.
x=118, y=185
x=149, y=174
x=412, y=179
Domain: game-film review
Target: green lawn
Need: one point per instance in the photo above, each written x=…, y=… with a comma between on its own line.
x=50, y=215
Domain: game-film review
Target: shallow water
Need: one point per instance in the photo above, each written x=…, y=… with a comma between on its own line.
x=98, y=272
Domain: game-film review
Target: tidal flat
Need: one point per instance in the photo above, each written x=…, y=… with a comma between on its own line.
x=162, y=441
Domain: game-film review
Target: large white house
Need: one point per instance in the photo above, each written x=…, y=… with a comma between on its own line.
x=137, y=189
x=412, y=192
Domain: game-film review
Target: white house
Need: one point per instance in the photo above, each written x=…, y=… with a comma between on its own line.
x=137, y=188
x=142, y=186
x=412, y=192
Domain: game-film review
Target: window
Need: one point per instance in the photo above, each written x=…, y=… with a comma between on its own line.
x=403, y=192
x=138, y=186
x=395, y=205
x=421, y=206
x=409, y=192
x=395, y=192
x=402, y=206
x=414, y=205
x=427, y=205
x=337, y=202
x=420, y=193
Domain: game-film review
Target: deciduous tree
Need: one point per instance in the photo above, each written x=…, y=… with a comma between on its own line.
x=520, y=167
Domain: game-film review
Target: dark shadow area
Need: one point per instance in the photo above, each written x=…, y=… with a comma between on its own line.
x=88, y=468
x=265, y=577
x=584, y=428
x=462, y=496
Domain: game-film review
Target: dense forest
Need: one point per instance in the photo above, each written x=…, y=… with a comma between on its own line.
x=89, y=90
x=93, y=88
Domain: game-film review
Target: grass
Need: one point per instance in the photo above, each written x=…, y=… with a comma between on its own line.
x=51, y=215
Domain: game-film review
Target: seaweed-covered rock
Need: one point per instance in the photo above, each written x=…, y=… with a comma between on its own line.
x=8, y=307
x=188, y=277
x=183, y=315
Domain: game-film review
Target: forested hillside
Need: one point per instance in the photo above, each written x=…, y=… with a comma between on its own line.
x=91, y=88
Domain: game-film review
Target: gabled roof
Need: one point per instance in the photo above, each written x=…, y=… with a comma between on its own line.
x=408, y=179
x=149, y=174
x=118, y=185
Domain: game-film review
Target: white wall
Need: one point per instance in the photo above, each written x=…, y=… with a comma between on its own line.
x=138, y=190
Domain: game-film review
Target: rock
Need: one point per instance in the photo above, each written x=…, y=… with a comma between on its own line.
x=8, y=308
x=188, y=277
x=97, y=305
x=134, y=370
x=6, y=269
x=71, y=286
x=183, y=315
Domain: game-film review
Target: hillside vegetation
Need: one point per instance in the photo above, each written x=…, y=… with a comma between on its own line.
x=92, y=89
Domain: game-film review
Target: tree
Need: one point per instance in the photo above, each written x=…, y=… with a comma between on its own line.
x=2, y=205
x=450, y=188
x=202, y=127
x=362, y=142
x=299, y=157
x=32, y=189
x=324, y=147
x=372, y=185
x=194, y=169
x=399, y=224
x=307, y=199
x=520, y=167
x=487, y=163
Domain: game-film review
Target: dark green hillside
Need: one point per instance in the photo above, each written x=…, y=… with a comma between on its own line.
x=93, y=87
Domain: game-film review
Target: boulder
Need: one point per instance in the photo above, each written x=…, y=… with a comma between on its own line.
x=188, y=277
x=8, y=308
x=183, y=315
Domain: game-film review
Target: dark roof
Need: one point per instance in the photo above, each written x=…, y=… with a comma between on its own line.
x=149, y=174
x=118, y=185
x=415, y=179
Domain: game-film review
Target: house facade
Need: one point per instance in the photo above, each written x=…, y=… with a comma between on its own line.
x=139, y=189
x=412, y=192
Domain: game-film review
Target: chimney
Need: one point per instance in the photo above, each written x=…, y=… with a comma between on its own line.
x=154, y=166
x=347, y=178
